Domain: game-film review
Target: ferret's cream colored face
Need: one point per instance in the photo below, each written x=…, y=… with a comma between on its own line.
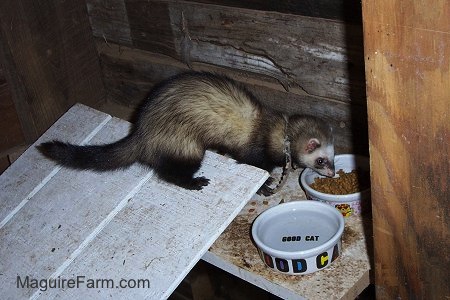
x=320, y=158
x=324, y=161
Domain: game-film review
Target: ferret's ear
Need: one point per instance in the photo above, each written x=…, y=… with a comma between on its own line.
x=312, y=145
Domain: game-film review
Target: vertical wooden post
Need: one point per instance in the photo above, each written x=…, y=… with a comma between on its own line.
x=407, y=54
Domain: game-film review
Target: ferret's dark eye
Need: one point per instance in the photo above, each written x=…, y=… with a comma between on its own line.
x=320, y=161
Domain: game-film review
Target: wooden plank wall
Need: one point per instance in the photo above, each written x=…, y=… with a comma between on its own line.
x=407, y=45
x=50, y=61
x=11, y=135
x=294, y=61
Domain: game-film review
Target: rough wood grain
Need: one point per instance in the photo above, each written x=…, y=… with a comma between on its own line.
x=129, y=74
x=114, y=23
x=407, y=45
x=49, y=58
x=343, y=10
x=323, y=57
x=11, y=134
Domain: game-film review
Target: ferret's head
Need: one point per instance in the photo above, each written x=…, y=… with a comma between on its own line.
x=312, y=144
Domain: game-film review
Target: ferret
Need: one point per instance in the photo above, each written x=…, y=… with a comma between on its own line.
x=194, y=111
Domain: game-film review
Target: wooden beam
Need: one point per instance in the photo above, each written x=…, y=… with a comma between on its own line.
x=50, y=60
x=342, y=10
x=407, y=55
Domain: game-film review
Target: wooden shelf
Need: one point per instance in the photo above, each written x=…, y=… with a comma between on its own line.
x=346, y=278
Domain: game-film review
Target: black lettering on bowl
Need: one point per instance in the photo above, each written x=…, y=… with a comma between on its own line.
x=293, y=238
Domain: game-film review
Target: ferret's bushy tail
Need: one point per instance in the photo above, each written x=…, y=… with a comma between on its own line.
x=120, y=154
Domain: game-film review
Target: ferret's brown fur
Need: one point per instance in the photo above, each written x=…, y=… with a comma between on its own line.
x=192, y=112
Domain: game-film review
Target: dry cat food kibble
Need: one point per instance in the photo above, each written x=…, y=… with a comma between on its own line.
x=346, y=183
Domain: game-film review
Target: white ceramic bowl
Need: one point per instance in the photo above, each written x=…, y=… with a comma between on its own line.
x=298, y=237
x=349, y=204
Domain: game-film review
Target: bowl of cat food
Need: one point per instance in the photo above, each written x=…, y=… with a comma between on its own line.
x=298, y=237
x=348, y=190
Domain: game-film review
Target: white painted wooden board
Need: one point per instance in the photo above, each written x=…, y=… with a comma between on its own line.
x=18, y=183
x=81, y=225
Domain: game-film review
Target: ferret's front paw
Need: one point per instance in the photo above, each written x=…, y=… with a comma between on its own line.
x=198, y=183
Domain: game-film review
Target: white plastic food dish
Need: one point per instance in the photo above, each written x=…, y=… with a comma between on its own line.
x=349, y=204
x=298, y=237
